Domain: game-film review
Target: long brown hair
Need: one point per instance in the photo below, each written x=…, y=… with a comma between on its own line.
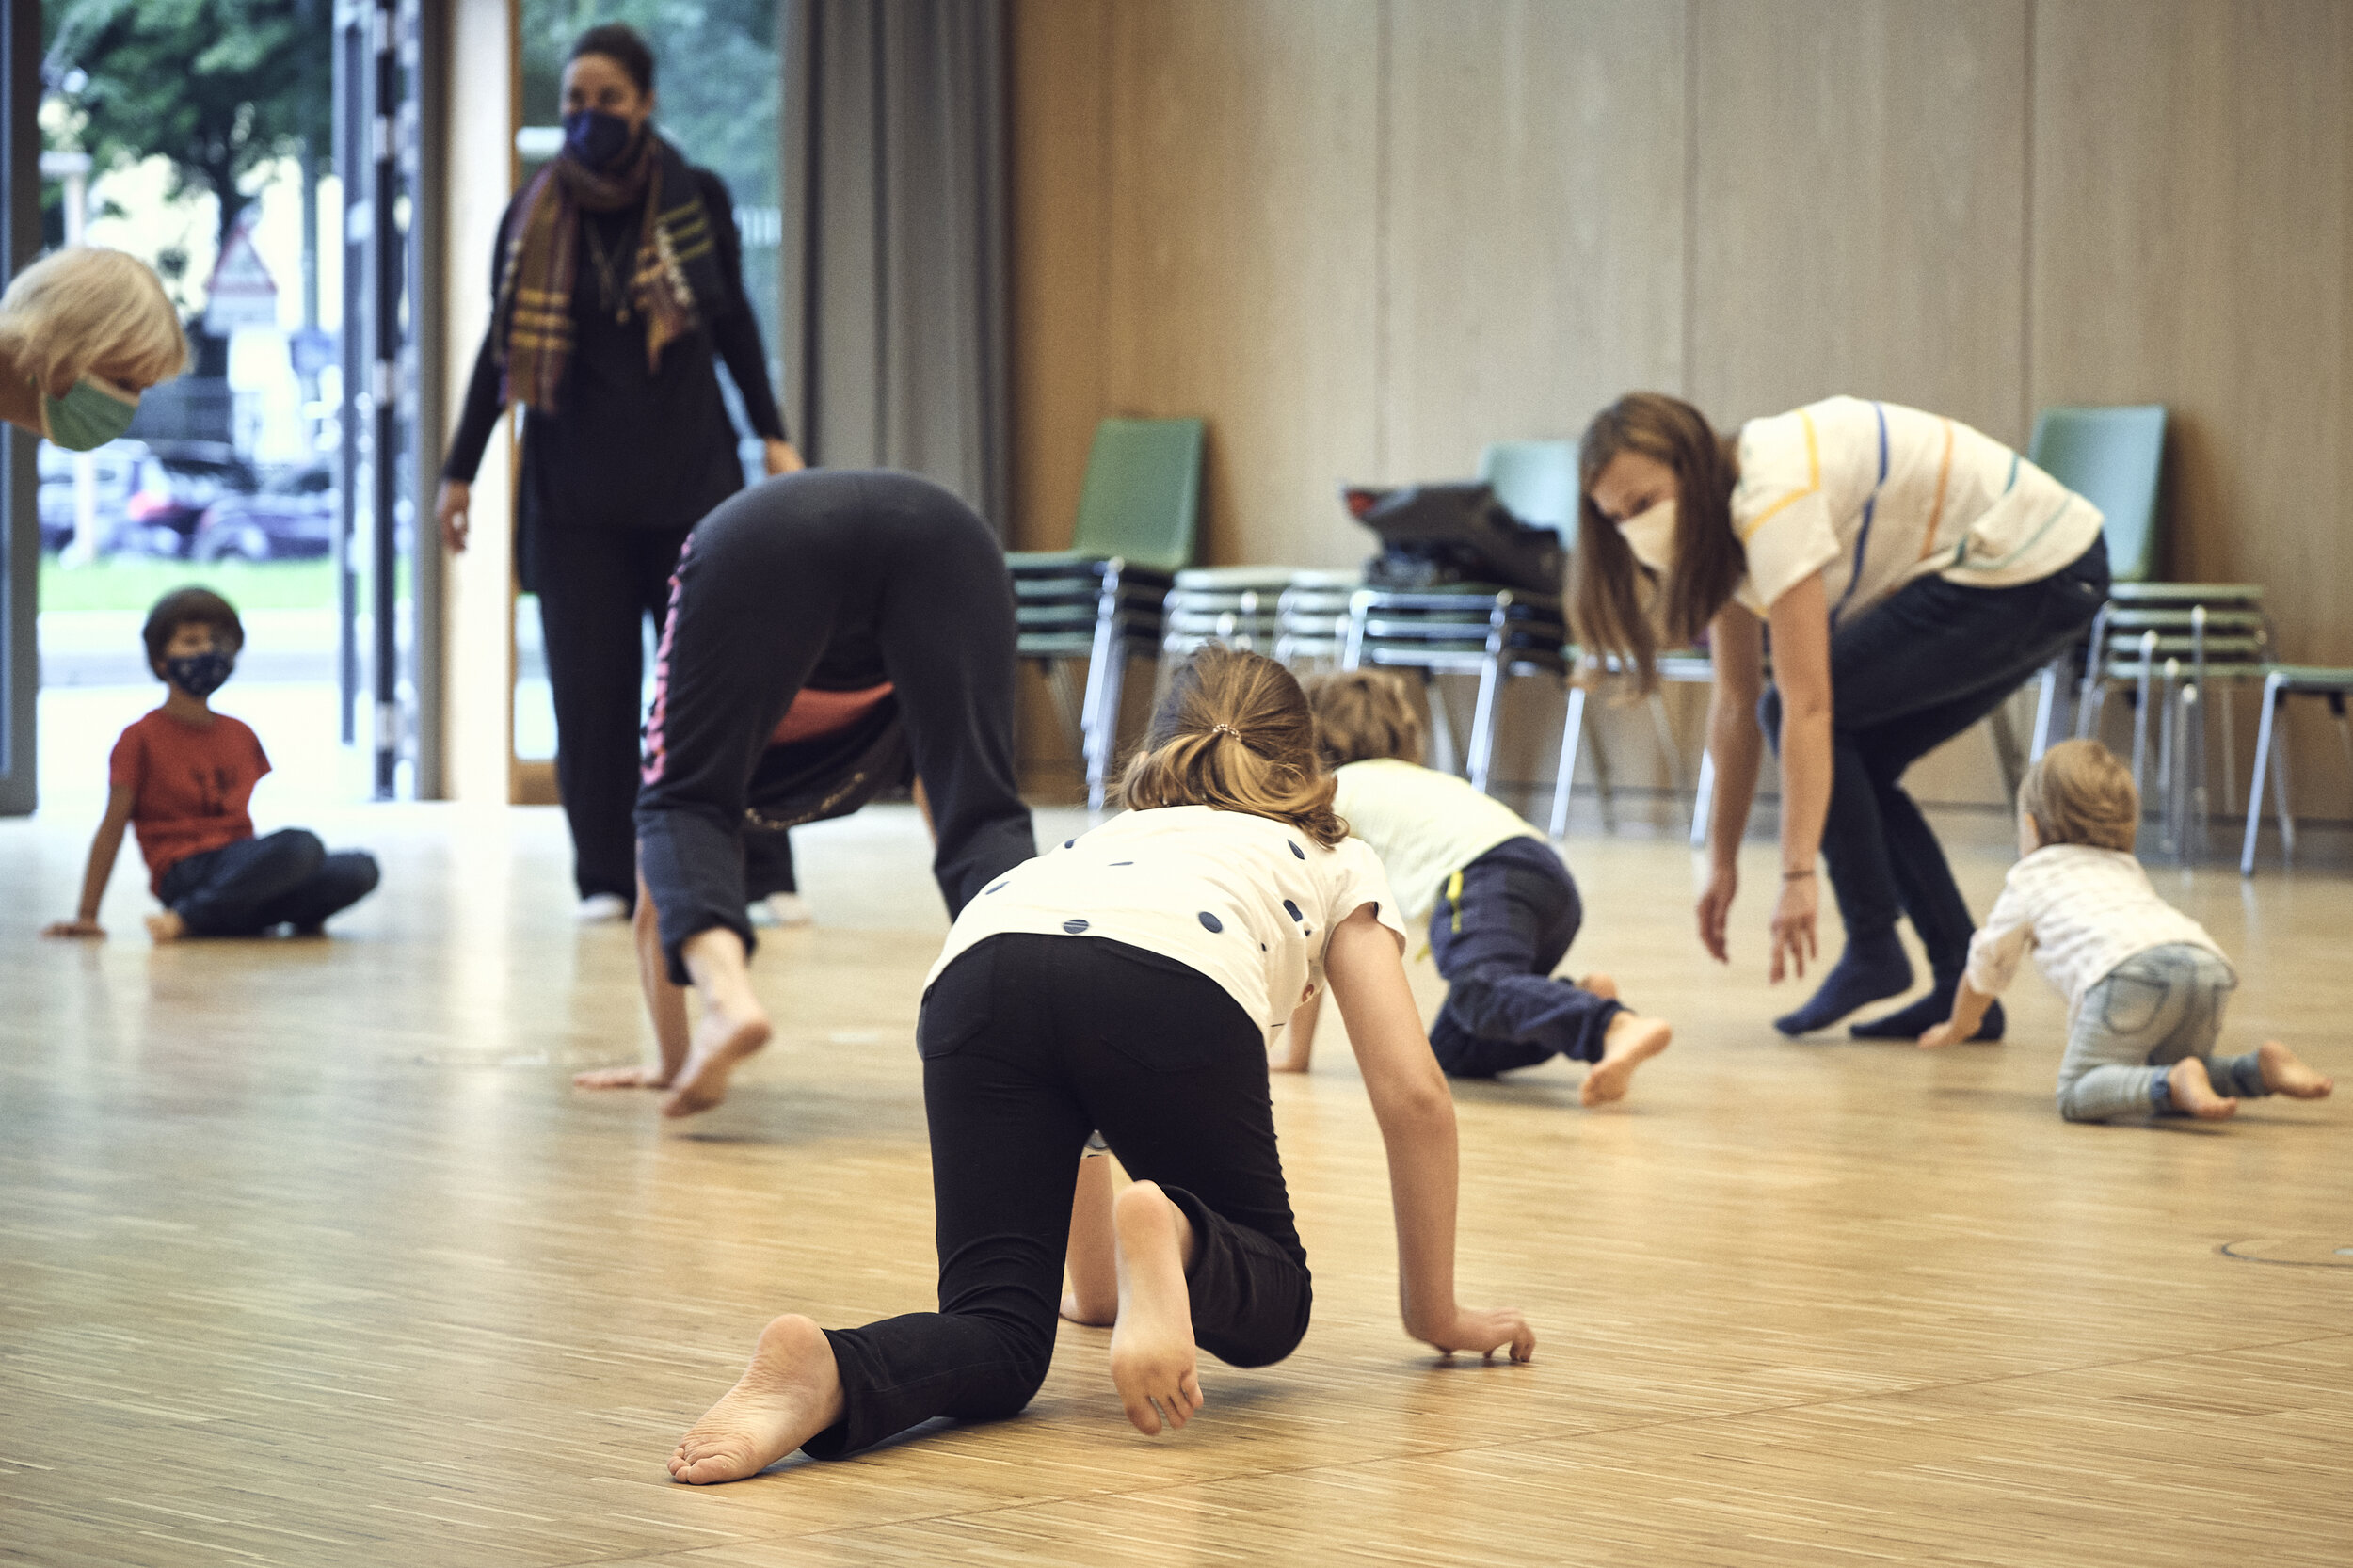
x=1607, y=600
x=1234, y=732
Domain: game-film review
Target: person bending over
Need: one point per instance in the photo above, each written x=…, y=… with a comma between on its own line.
x=1501, y=907
x=829, y=631
x=2144, y=982
x=182, y=776
x=1127, y=980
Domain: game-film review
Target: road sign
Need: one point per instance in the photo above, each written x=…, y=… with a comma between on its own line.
x=241, y=292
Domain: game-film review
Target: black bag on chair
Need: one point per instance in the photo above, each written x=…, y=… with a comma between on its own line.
x=1434, y=536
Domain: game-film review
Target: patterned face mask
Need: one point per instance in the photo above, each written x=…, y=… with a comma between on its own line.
x=200, y=675
x=90, y=415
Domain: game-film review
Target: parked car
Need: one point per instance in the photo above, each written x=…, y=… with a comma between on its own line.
x=115, y=467
x=291, y=518
x=177, y=482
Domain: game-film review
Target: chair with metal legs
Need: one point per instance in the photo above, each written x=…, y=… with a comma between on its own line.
x=2281, y=681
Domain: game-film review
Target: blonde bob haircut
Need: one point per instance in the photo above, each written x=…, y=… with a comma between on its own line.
x=84, y=310
x=1362, y=715
x=1234, y=734
x=2079, y=793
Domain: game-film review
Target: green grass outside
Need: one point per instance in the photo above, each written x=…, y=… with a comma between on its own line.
x=136, y=582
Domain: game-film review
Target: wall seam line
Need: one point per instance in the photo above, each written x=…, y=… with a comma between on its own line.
x=2026, y=235
x=1690, y=199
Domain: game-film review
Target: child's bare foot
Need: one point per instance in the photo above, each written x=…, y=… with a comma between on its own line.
x=639, y=1077
x=1152, y=1354
x=790, y=1393
x=1600, y=985
x=725, y=1035
x=2284, y=1073
x=1628, y=1042
x=167, y=926
x=2193, y=1091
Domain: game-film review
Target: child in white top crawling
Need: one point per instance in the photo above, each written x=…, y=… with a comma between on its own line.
x=2145, y=984
x=1126, y=981
x=1501, y=907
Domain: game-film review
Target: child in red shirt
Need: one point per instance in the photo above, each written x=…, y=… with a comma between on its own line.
x=182, y=776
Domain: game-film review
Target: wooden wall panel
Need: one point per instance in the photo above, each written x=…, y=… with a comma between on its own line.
x=1859, y=169
x=1534, y=217
x=2192, y=245
x=1240, y=279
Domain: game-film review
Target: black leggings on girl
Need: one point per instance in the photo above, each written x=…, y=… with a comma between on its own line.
x=1028, y=1043
x=842, y=582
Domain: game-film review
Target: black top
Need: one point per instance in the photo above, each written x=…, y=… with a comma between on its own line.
x=629, y=448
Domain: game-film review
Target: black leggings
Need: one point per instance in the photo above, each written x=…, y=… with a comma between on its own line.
x=839, y=581
x=1029, y=1042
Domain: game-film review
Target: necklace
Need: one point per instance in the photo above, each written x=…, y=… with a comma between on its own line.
x=611, y=294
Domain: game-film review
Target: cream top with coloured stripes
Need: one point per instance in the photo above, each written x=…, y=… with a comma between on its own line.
x=1873, y=495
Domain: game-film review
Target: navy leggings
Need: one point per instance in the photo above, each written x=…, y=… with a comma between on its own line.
x=282, y=878
x=1497, y=942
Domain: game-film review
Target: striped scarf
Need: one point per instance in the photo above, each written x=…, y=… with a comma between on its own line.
x=674, y=281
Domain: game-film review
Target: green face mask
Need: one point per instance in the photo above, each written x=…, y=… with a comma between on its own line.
x=87, y=416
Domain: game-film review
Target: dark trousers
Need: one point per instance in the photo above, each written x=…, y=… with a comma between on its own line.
x=1028, y=1043
x=863, y=577
x=1496, y=945
x=1905, y=675
x=282, y=878
x=596, y=588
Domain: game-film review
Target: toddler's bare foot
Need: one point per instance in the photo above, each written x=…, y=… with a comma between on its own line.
x=167, y=926
x=1152, y=1354
x=1628, y=1042
x=1089, y=1314
x=724, y=1037
x=2284, y=1073
x=1601, y=985
x=790, y=1393
x=2193, y=1091
x=639, y=1077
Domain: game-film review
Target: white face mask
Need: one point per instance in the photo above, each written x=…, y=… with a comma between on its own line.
x=1650, y=535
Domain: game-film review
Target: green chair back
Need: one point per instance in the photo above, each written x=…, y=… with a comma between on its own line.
x=1142, y=500
x=1537, y=480
x=2110, y=458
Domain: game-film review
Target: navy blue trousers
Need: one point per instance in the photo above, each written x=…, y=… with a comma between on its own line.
x=1497, y=944
x=282, y=878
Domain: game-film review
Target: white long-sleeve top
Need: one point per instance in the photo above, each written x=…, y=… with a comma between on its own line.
x=2083, y=911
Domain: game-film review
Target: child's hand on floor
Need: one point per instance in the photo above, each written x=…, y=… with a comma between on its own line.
x=73, y=928
x=1486, y=1333
x=1945, y=1034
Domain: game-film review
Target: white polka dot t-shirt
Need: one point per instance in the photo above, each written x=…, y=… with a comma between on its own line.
x=1248, y=900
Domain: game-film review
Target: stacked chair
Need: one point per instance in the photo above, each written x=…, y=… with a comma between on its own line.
x=2179, y=647
x=1103, y=600
x=1463, y=629
x=2281, y=681
x=1244, y=607
x=1311, y=619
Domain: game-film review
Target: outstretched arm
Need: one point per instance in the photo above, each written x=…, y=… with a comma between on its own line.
x=103, y=846
x=1416, y=1116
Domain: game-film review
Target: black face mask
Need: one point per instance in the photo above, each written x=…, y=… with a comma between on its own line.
x=200, y=675
x=595, y=139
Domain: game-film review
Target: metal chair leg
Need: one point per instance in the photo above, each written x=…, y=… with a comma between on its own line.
x=1702, y=798
x=2045, y=708
x=2140, y=713
x=1572, y=730
x=1482, y=735
x=2264, y=740
x=1441, y=727
x=2008, y=755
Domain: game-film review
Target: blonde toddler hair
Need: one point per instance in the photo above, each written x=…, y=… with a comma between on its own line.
x=2079, y=793
x=85, y=309
x=1364, y=714
x=1234, y=733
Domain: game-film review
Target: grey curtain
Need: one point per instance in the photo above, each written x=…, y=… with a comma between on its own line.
x=895, y=202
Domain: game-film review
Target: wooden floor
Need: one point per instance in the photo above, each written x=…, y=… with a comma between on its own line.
x=309, y=1255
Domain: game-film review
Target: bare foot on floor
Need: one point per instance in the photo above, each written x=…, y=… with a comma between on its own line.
x=639, y=1077
x=790, y=1393
x=1152, y=1354
x=167, y=927
x=723, y=1038
x=1628, y=1042
x=2284, y=1073
x=2193, y=1091
x=1600, y=985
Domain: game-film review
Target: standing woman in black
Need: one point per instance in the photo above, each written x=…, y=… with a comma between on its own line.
x=618, y=279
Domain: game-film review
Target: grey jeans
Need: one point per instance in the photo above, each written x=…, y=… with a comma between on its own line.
x=2150, y=1011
